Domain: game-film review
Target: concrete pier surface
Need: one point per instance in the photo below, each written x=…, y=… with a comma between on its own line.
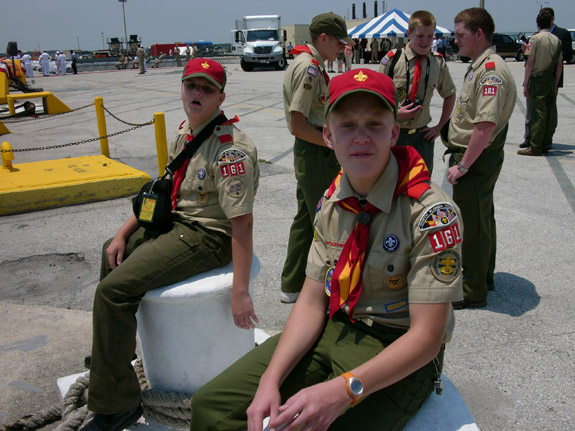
x=513, y=362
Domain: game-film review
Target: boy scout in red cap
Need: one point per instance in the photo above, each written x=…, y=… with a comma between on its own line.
x=384, y=261
x=212, y=201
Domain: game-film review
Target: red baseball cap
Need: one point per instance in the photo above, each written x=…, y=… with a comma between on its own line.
x=206, y=68
x=361, y=80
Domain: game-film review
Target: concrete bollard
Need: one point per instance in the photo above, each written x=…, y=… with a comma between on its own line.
x=187, y=332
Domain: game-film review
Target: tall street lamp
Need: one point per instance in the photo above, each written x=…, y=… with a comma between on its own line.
x=125, y=32
x=103, y=47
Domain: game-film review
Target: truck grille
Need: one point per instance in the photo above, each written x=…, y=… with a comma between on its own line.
x=263, y=50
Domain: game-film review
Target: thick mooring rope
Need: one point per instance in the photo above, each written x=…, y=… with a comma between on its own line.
x=168, y=408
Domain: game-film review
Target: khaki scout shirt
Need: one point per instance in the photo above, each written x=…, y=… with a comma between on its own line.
x=439, y=79
x=304, y=88
x=413, y=254
x=545, y=48
x=221, y=179
x=488, y=94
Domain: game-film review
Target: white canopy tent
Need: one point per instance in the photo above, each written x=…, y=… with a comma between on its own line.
x=390, y=24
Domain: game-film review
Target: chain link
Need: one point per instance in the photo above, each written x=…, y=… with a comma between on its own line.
x=85, y=141
x=125, y=122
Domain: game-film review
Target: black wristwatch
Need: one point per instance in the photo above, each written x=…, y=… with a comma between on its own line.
x=354, y=386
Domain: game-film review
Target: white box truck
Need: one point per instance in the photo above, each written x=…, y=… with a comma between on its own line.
x=259, y=39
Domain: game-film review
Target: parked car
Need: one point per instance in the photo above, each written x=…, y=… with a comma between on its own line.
x=506, y=47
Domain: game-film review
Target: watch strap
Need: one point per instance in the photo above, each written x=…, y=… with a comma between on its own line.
x=348, y=376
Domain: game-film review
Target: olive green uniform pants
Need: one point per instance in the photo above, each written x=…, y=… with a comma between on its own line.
x=315, y=168
x=543, y=100
x=417, y=141
x=221, y=404
x=151, y=260
x=473, y=193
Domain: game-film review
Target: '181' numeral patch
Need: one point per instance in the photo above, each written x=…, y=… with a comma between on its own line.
x=233, y=169
x=445, y=238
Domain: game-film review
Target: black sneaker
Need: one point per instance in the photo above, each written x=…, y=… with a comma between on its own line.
x=117, y=422
x=466, y=303
x=524, y=145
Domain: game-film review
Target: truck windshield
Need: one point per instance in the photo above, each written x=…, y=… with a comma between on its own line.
x=254, y=35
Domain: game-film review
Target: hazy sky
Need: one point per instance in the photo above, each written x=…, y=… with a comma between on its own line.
x=65, y=24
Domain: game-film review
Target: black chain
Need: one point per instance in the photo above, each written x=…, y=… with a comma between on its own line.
x=125, y=122
x=40, y=117
x=85, y=141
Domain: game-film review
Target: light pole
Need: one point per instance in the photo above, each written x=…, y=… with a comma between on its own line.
x=541, y=3
x=125, y=32
x=103, y=47
x=78, y=39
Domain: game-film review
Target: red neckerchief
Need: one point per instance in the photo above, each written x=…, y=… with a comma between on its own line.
x=347, y=279
x=416, y=79
x=298, y=49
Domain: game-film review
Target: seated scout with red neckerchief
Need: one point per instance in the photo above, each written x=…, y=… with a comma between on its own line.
x=384, y=261
x=212, y=201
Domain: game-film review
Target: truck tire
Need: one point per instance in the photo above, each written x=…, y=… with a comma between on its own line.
x=520, y=55
x=246, y=67
x=281, y=64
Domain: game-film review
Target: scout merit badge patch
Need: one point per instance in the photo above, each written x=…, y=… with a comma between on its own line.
x=446, y=266
x=328, y=277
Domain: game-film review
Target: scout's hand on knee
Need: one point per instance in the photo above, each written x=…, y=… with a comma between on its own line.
x=115, y=251
x=266, y=403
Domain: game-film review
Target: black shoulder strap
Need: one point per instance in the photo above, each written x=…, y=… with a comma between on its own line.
x=394, y=62
x=192, y=146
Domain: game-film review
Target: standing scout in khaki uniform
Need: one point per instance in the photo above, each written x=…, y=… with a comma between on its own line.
x=386, y=248
x=416, y=73
x=304, y=90
x=541, y=83
x=475, y=138
x=212, y=200
x=141, y=60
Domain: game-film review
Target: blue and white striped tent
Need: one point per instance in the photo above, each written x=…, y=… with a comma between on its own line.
x=392, y=23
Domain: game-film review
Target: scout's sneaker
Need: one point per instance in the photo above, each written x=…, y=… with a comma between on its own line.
x=529, y=152
x=289, y=297
x=466, y=303
x=525, y=145
x=117, y=422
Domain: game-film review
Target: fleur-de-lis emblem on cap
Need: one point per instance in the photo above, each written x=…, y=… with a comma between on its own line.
x=206, y=65
x=361, y=77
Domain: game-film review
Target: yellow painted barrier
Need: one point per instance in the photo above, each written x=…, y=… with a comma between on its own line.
x=7, y=155
x=161, y=141
x=52, y=105
x=3, y=129
x=101, y=116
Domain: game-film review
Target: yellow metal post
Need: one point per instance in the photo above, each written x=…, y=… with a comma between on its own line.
x=7, y=155
x=99, y=103
x=161, y=141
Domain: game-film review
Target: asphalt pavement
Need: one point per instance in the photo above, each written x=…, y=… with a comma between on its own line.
x=513, y=362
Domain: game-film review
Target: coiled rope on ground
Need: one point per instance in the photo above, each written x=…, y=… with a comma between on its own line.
x=168, y=408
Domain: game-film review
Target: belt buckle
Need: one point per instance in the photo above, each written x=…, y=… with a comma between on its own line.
x=411, y=131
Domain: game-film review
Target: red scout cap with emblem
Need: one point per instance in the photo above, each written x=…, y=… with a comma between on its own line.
x=206, y=68
x=361, y=80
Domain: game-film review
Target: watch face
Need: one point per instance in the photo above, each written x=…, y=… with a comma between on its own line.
x=356, y=386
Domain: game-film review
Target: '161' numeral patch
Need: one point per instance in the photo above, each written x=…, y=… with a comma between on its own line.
x=233, y=169
x=490, y=90
x=445, y=238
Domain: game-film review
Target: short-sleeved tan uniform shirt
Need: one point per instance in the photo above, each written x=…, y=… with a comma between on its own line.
x=304, y=88
x=413, y=253
x=439, y=79
x=545, y=48
x=221, y=179
x=488, y=94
